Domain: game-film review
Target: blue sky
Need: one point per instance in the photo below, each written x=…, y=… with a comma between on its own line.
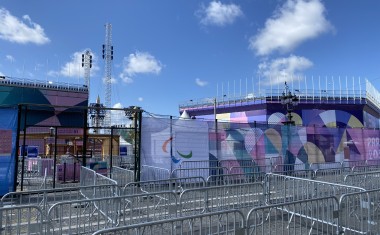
x=168, y=52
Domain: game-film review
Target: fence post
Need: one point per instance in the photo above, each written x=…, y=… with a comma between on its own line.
x=23, y=150
x=19, y=107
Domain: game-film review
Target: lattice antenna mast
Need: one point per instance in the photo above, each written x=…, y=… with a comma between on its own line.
x=108, y=57
x=87, y=65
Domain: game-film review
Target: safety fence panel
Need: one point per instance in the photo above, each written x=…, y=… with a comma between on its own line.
x=313, y=216
x=289, y=167
x=283, y=188
x=25, y=219
x=219, y=198
x=375, y=162
x=154, y=173
x=226, y=222
x=236, y=163
x=352, y=163
x=142, y=208
x=89, y=177
x=199, y=164
x=122, y=176
x=306, y=174
x=231, y=179
x=176, y=185
x=359, y=212
x=367, y=168
x=367, y=180
x=203, y=172
x=121, y=161
x=325, y=165
x=332, y=175
x=250, y=169
x=83, y=216
x=37, y=173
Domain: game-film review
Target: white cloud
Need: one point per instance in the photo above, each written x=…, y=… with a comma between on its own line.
x=293, y=23
x=15, y=30
x=283, y=69
x=140, y=99
x=1, y=74
x=10, y=58
x=219, y=14
x=200, y=83
x=139, y=63
x=74, y=68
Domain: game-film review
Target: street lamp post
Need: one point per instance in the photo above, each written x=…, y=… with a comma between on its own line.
x=288, y=100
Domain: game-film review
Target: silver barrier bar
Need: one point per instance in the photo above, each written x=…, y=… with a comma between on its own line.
x=122, y=176
x=203, y=172
x=218, y=198
x=367, y=180
x=312, y=216
x=176, y=185
x=90, y=215
x=154, y=173
x=230, y=179
x=283, y=188
x=26, y=219
x=325, y=165
x=226, y=222
x=332, y=175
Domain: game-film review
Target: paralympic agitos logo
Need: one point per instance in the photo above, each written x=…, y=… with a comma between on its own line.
x=175, y=160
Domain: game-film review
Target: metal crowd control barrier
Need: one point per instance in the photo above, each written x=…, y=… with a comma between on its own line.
x=89, y=177
x=249, y=169
x=352, y=163
x=45, y=198
x=154, y=173
x=203, y=172
x=305, y=174
x=373, y=162
x=176, y=185
x=236, y=163
x=359, y=212
x=282, y=189
x=332, y=175
x=219, y=198
x=367, y=180
x=199, y=164
x=366, y=168
x=90, y=215
x=289, y=167
x=37, y=173
x=230, y=179
x=26, y=219
x=122, y=176
x=313, y=216
x=325, y=165
x=226, y=222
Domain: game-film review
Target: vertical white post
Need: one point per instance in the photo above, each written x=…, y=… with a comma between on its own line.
x=353, y=87
x=306, y=88
x=217, y=90
x=333, y=87
x=360, y=89
x=270, y=80
x=228, y=90
x=340, y=89
x=320, y=91
x=234, y=91
x=259, y=86
x=246, y=88
x=312, y=81
x=240, y=88
x=346, y=89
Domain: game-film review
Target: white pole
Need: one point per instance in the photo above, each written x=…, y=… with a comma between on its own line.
x=234, y=91
x=228, y=90
x=312, y=81
x=246, y=87
x=217, y=90
x=270, y=80
x=340, y=89
x=259, y=86
x=306, y=87
x=360, y=89
x=346, y=89
x=240, y=88
x=320, y=91
x=353, y=87
x=333, y=87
